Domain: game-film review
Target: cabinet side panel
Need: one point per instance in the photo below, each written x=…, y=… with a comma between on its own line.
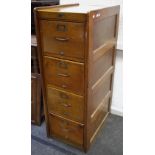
x=104, y=30
x=102, y=42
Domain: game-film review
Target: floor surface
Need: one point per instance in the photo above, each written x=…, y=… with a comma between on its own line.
x=109, y=141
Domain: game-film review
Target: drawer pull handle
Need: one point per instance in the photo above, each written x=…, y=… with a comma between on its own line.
x=61, y=39
x=65, y=130
x=64, y=86
x=61, y=52
x=66, y=105
x=64, y=75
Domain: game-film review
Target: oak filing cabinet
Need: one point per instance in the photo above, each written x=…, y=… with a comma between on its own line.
x=77, y=46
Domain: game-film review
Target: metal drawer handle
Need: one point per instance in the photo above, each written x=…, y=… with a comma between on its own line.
x=64, y=75
x=66, y=105
x=61, y=53
x=65, y=130
x=64, y=86
x=61, y=39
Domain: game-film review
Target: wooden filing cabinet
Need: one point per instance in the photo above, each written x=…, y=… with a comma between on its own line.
x=77, y=47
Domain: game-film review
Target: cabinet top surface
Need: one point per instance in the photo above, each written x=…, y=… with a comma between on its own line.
x=74, y=8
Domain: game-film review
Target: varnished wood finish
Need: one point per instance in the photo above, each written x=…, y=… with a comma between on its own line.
x=77, y=66
x=34, y=60
x=67, y=130
x=33, y=98
x=36, y=95
x=36, y=108
x=64, y=74
x=100, y=44
x=66, y=104
x=63, y=39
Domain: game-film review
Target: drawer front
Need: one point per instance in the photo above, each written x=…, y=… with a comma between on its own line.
x=63, y=39
x=64, y=74
x=66, y=130
x=65, y=104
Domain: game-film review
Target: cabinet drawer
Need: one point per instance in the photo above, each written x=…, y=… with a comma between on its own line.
x=66, y=130
x=63, y=39
x=65, y=104
x=64, y=74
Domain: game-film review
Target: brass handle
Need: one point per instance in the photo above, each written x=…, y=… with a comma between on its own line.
x=64, y=75
x=61, y=53
x=61, y=39
x=64, y=86
x=65, y=130
x=66, y=105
